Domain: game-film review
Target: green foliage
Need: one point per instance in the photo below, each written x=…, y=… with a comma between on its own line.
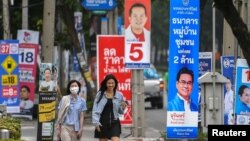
x=160, y=23
x=63, y=39
x=160, y=30
x=11, y=140
x=39, y=24
x=90, y=105
x=13, y=125
x=73, y=4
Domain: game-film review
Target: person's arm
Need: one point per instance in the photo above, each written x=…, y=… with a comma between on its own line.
x=123, y=105
x=95, y=115
x=58, y=131
x=79, y=134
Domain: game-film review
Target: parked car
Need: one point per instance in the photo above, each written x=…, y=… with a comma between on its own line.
x=153, y=87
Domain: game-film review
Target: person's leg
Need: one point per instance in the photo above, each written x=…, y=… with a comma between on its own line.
x=115, y=138
x=65, y=134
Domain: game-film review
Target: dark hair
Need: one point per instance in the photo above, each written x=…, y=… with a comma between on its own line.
x=103, y=87
x=185, y=70
x=68, y=86
x=47, y=69
x=241, y=89
x=229, y=79
x=137, y=5
x=25, y=87
x=54, y=69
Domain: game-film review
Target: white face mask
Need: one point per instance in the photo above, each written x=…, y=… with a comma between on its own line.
x=74, y=90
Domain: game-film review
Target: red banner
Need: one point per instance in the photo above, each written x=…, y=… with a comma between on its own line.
x=110, y=59
x=27, y=74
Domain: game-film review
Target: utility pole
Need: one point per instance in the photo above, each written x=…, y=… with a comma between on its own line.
x=25, y=23
x=138, y=108
x=48, y=30
x=6, y=20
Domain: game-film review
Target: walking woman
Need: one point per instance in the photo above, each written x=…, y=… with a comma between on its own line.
x=71, y=114
x=108, y=105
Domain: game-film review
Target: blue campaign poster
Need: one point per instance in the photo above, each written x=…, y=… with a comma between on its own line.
x=9, y=70
x=182, y=108
x=227, y=70
x=242, y=89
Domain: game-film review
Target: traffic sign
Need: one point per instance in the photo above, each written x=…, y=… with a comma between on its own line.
x=9, y=64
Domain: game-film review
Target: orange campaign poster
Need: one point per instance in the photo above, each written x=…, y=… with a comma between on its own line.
x=110, y=60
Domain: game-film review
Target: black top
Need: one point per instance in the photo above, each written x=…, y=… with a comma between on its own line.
x=107, y=115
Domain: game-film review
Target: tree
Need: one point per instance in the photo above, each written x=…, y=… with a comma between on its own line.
x=68, y=18
x=239, y=28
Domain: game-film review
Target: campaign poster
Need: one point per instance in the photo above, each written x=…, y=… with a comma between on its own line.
x=137, y=34
x=9, y=75
x=28, y=36
x=205, y=62
x=227, y=70
x=46, y=116
x=110, y=60
x=47, y=83
x=27, y=78
x=242, y=89
x=182, y=107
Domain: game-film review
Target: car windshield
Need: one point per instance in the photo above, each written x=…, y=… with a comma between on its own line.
x=150, y=73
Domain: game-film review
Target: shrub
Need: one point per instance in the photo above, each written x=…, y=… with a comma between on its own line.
x=13, y=125
x=11, y=140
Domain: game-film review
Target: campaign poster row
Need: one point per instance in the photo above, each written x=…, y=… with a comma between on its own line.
x=236, y=91
x=18, y=73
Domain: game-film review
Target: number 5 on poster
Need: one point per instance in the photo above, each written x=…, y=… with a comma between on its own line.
x=136, y=52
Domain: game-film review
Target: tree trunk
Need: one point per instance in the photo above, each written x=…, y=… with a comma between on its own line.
x=237, y=25
x=68, y=19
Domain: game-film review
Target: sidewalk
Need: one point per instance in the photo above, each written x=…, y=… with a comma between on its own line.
x=29, y=132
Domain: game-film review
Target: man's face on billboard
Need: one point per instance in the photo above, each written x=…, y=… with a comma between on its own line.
x=185, y=85
x=138, y=18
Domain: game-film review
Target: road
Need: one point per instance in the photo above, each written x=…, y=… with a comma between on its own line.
x=156, y=119
x=155, y=122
